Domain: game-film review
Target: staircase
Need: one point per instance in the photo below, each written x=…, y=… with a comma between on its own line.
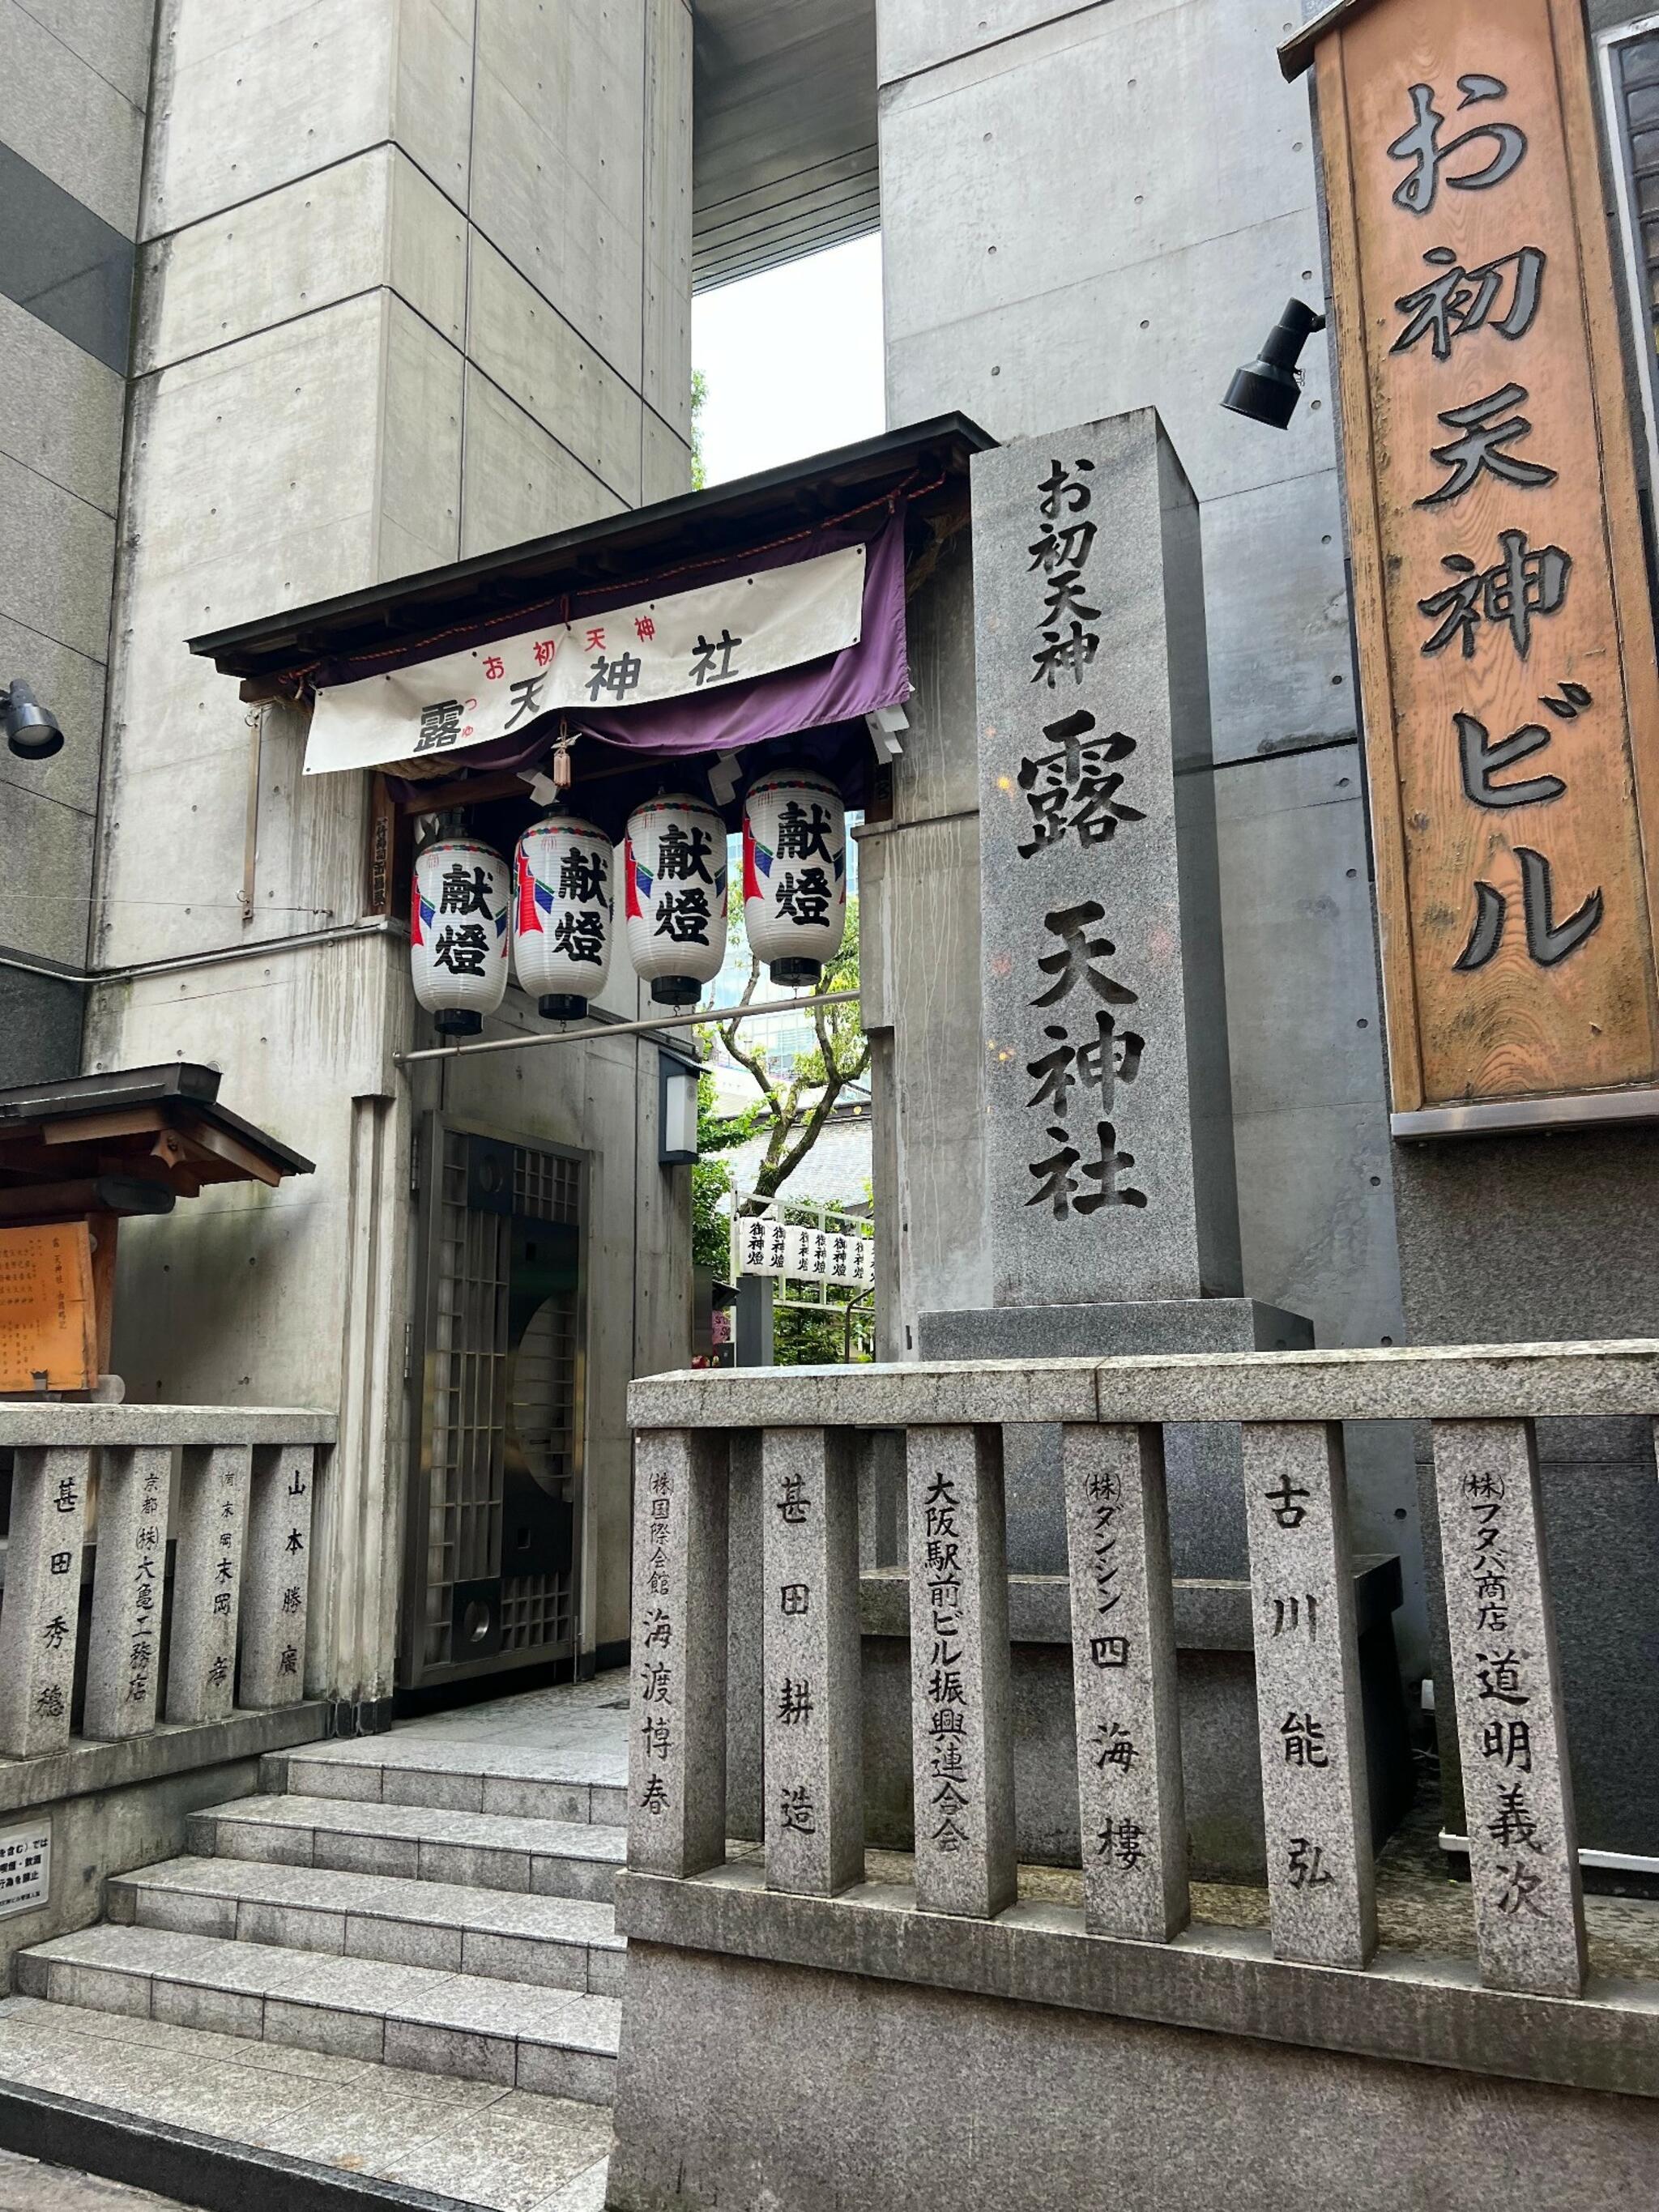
x=432, y=1903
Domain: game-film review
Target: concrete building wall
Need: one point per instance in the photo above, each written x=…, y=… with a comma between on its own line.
x=74, y=81
x=414, y=284
x=1092, y=208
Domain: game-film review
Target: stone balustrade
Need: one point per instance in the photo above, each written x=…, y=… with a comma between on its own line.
x=199, y=1520
x=1526, y=1892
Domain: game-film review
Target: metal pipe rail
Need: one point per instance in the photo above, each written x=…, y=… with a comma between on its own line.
x=693, y=1017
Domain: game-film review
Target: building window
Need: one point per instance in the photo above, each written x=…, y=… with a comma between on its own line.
x=1630, y=84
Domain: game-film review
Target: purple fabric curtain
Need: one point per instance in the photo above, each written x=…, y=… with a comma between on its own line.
x=871, y=674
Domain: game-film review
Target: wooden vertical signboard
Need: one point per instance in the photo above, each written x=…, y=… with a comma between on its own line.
x=1505, y=634
x=48, y=1315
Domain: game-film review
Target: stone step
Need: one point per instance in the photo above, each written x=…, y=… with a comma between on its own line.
x=416, y=1843
x=219, y=2119
x=551, y=1942
x=522, y=1781
x=553, y=2042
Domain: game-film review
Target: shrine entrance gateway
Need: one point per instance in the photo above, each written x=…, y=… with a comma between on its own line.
x=491, y=1575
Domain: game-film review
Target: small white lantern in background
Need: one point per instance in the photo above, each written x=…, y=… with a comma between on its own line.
x=457, y=921
x=563, y=915
x=674, y=896
x=794, y=874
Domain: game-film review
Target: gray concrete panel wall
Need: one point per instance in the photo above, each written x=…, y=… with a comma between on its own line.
x=1090, y=209
x=1093, y=208
x=73, y=85
x=410, y=288
x=750, y=2082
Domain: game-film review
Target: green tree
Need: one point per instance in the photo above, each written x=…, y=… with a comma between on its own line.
x=711, y=1179
x=699, y=401
x=796, y=1103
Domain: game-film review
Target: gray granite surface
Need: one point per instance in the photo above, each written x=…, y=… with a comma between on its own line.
x=1310, y=1720
x=813, y=1752
x=28, y=2185
x=475, y=2142
x=1131, y=1804
x=1517, y=1788
x=677, y=1752
x=26, y=1422
x=1451, y=1382
x=1109, y=1152
x=962, y=1748
x=1206, y=1504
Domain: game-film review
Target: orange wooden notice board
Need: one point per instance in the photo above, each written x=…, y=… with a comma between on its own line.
x=48, y=1324
x=1506, y=637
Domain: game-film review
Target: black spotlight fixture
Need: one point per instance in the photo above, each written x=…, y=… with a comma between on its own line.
x=1269, y=389
x=30, y=729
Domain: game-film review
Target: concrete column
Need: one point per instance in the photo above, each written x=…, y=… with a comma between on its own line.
x=1517, y=1791
x=277, y=1577
x=1130, y=1802
x=413, y=286
x=677, y=1752
x=1321, y=1877
x=124, y=1660
x=207, y=1577
x=814, y=1787
x=1109, y=1114
x=39, y=1618
x=961, y=1700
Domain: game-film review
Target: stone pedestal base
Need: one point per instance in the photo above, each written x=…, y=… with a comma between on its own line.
x=1216, y=1689
x=744, y=2081
x=1206, y=1506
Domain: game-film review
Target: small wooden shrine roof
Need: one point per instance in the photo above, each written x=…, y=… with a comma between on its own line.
x=927, y=465
x=131, y=1141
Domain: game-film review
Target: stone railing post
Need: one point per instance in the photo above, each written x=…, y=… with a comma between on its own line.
x=39, y=1618
x=1321, y=1871
x=814, y=1747
x=677, y=1750
x=276, y=1577
x=207, y=1575
x=961, y=1696
x=745, y=1696
x=124, y=1661
x=1131, y=1804
x=1517, y=1791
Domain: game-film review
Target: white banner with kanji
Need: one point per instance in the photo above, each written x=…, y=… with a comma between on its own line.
x=686, y=644
x=761, y=1246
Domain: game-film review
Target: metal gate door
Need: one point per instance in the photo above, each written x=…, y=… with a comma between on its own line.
x=495, y=1498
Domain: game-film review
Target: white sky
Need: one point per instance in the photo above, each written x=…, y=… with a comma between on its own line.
x=794, y=361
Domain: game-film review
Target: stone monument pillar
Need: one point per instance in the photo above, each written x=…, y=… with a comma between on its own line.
x=1112, y=1206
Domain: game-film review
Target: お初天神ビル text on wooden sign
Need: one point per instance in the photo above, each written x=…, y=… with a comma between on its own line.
x=1506, y=637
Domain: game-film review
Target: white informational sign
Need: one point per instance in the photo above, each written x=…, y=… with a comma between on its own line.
x=761, y=1247
x=25, y=1867
x=685, y=644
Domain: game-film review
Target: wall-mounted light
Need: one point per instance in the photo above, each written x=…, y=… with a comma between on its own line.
x=30, y=729
x=1270, y=389
x=676, y=1111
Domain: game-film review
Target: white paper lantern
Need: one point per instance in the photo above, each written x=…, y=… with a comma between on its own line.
x=458, y=910
x=674, y=896
x=564, y=914
x=794, y=874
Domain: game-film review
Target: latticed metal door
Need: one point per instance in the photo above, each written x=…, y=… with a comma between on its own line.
x=496, y=1484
